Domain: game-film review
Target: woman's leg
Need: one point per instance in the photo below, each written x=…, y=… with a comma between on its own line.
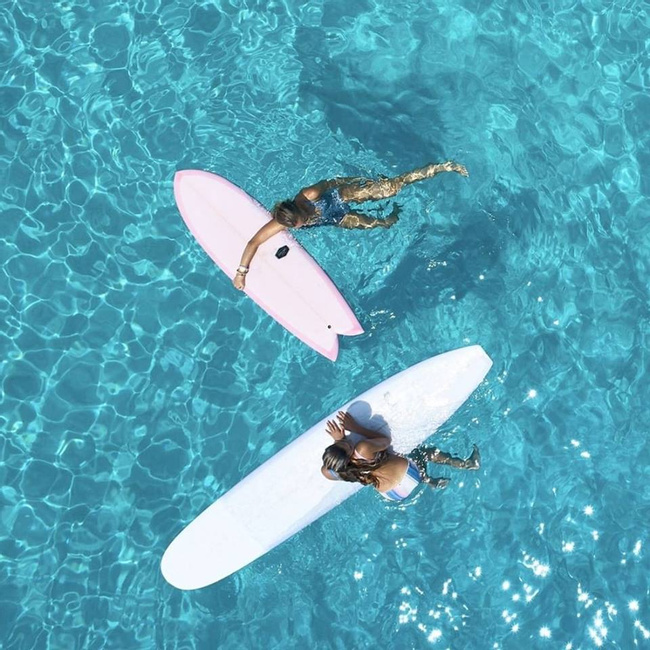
x=362, y=221
x=434, y=455
x=367, y=190
x=420, y=461
x=436, y=483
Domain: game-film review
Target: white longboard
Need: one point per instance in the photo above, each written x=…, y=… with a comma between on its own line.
x=288, y=491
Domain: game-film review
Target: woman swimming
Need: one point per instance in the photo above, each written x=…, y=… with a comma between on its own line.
x=327, y=204
x=370, y=462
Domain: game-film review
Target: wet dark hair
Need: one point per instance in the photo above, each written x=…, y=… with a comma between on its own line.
x=287, y=213
x=336, y=458
x=356, y=470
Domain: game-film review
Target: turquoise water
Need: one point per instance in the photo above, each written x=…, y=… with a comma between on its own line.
x=137, y=385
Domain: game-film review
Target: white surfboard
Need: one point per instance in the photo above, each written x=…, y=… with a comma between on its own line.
x=288, y=491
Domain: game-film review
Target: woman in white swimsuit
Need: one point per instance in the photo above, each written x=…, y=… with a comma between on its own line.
x=370, y=462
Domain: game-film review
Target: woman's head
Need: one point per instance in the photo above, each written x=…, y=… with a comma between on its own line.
x=336, y=457
x=288, y=214
x=339, y=458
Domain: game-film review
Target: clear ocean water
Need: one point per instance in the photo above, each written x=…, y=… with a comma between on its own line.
x=138, y=386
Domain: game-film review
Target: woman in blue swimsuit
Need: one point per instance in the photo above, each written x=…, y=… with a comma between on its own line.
x=328, y=204
x=370, y=462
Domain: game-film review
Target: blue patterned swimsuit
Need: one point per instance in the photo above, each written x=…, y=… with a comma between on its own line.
x=330, y=209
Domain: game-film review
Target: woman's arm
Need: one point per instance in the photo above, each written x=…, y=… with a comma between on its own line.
x=368, y=448
x=348, y=422
x=265, y=232
x=374, y=441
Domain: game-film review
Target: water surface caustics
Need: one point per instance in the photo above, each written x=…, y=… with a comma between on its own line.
x=137, y=385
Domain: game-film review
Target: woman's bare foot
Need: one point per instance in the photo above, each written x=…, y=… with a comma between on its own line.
x=393, y=217
x=474, y=461
x=437, y=483
x=451, y=166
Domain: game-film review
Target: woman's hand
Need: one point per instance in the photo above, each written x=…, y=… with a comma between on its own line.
x=335, y=430
x=239, y=281
x=393, y=217
x=347, y=422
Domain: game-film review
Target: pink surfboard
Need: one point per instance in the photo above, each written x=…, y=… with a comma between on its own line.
x=291, y=288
